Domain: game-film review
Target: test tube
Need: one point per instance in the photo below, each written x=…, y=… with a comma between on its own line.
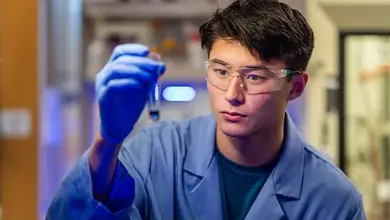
x=154, y=95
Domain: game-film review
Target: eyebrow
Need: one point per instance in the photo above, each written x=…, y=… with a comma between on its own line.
x=249, y=66
x=256, y=67
x=220, y=62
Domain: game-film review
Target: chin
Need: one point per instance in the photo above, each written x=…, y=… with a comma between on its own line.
x=237, y=130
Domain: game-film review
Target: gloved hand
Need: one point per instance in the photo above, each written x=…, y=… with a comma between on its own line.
x=122, y=89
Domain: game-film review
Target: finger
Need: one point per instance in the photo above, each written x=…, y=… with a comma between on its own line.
x=119, y=71
x=131, y=50
x=147, y=64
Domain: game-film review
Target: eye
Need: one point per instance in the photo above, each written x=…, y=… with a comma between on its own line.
x=258, y=75
x=255, y=77
x=221, y=72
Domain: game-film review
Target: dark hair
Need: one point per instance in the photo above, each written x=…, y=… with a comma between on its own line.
x=271, y=30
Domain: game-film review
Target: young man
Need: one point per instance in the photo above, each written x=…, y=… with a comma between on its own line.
x=246, y=161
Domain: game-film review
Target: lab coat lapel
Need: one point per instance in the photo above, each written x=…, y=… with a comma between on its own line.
x=201, y=171
x=285, y=180
x=266, y=205
x=206, y=197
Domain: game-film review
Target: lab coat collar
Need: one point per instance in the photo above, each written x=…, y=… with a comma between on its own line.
x=201, y=150
x=287, y=175
x=288, y=172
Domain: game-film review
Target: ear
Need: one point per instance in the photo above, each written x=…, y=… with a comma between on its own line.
x=298, y=85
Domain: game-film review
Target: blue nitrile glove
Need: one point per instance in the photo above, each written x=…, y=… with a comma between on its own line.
x=122, y=89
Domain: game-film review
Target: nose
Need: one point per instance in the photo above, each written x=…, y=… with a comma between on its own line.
x=235, y=94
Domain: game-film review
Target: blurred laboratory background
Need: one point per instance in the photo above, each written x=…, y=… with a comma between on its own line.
x=51, y=50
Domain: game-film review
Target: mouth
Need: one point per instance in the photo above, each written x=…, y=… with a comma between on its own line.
x=233, y=116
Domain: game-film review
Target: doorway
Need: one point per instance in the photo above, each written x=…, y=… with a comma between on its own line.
x=365, y=117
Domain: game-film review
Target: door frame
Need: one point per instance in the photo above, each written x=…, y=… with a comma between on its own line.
x=343, y=160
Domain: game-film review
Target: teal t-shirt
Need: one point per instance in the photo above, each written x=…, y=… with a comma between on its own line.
x=239, y=186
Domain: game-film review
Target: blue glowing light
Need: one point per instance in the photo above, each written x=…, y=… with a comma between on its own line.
x=179, y=93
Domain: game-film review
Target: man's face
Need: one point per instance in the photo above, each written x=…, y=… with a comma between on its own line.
x=238, y=113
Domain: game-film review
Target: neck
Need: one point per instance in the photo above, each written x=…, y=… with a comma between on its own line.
x=254, y=150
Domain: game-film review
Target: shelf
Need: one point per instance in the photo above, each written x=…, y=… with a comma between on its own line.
x=381, y=71
x=177, y=71
x=178, y=10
